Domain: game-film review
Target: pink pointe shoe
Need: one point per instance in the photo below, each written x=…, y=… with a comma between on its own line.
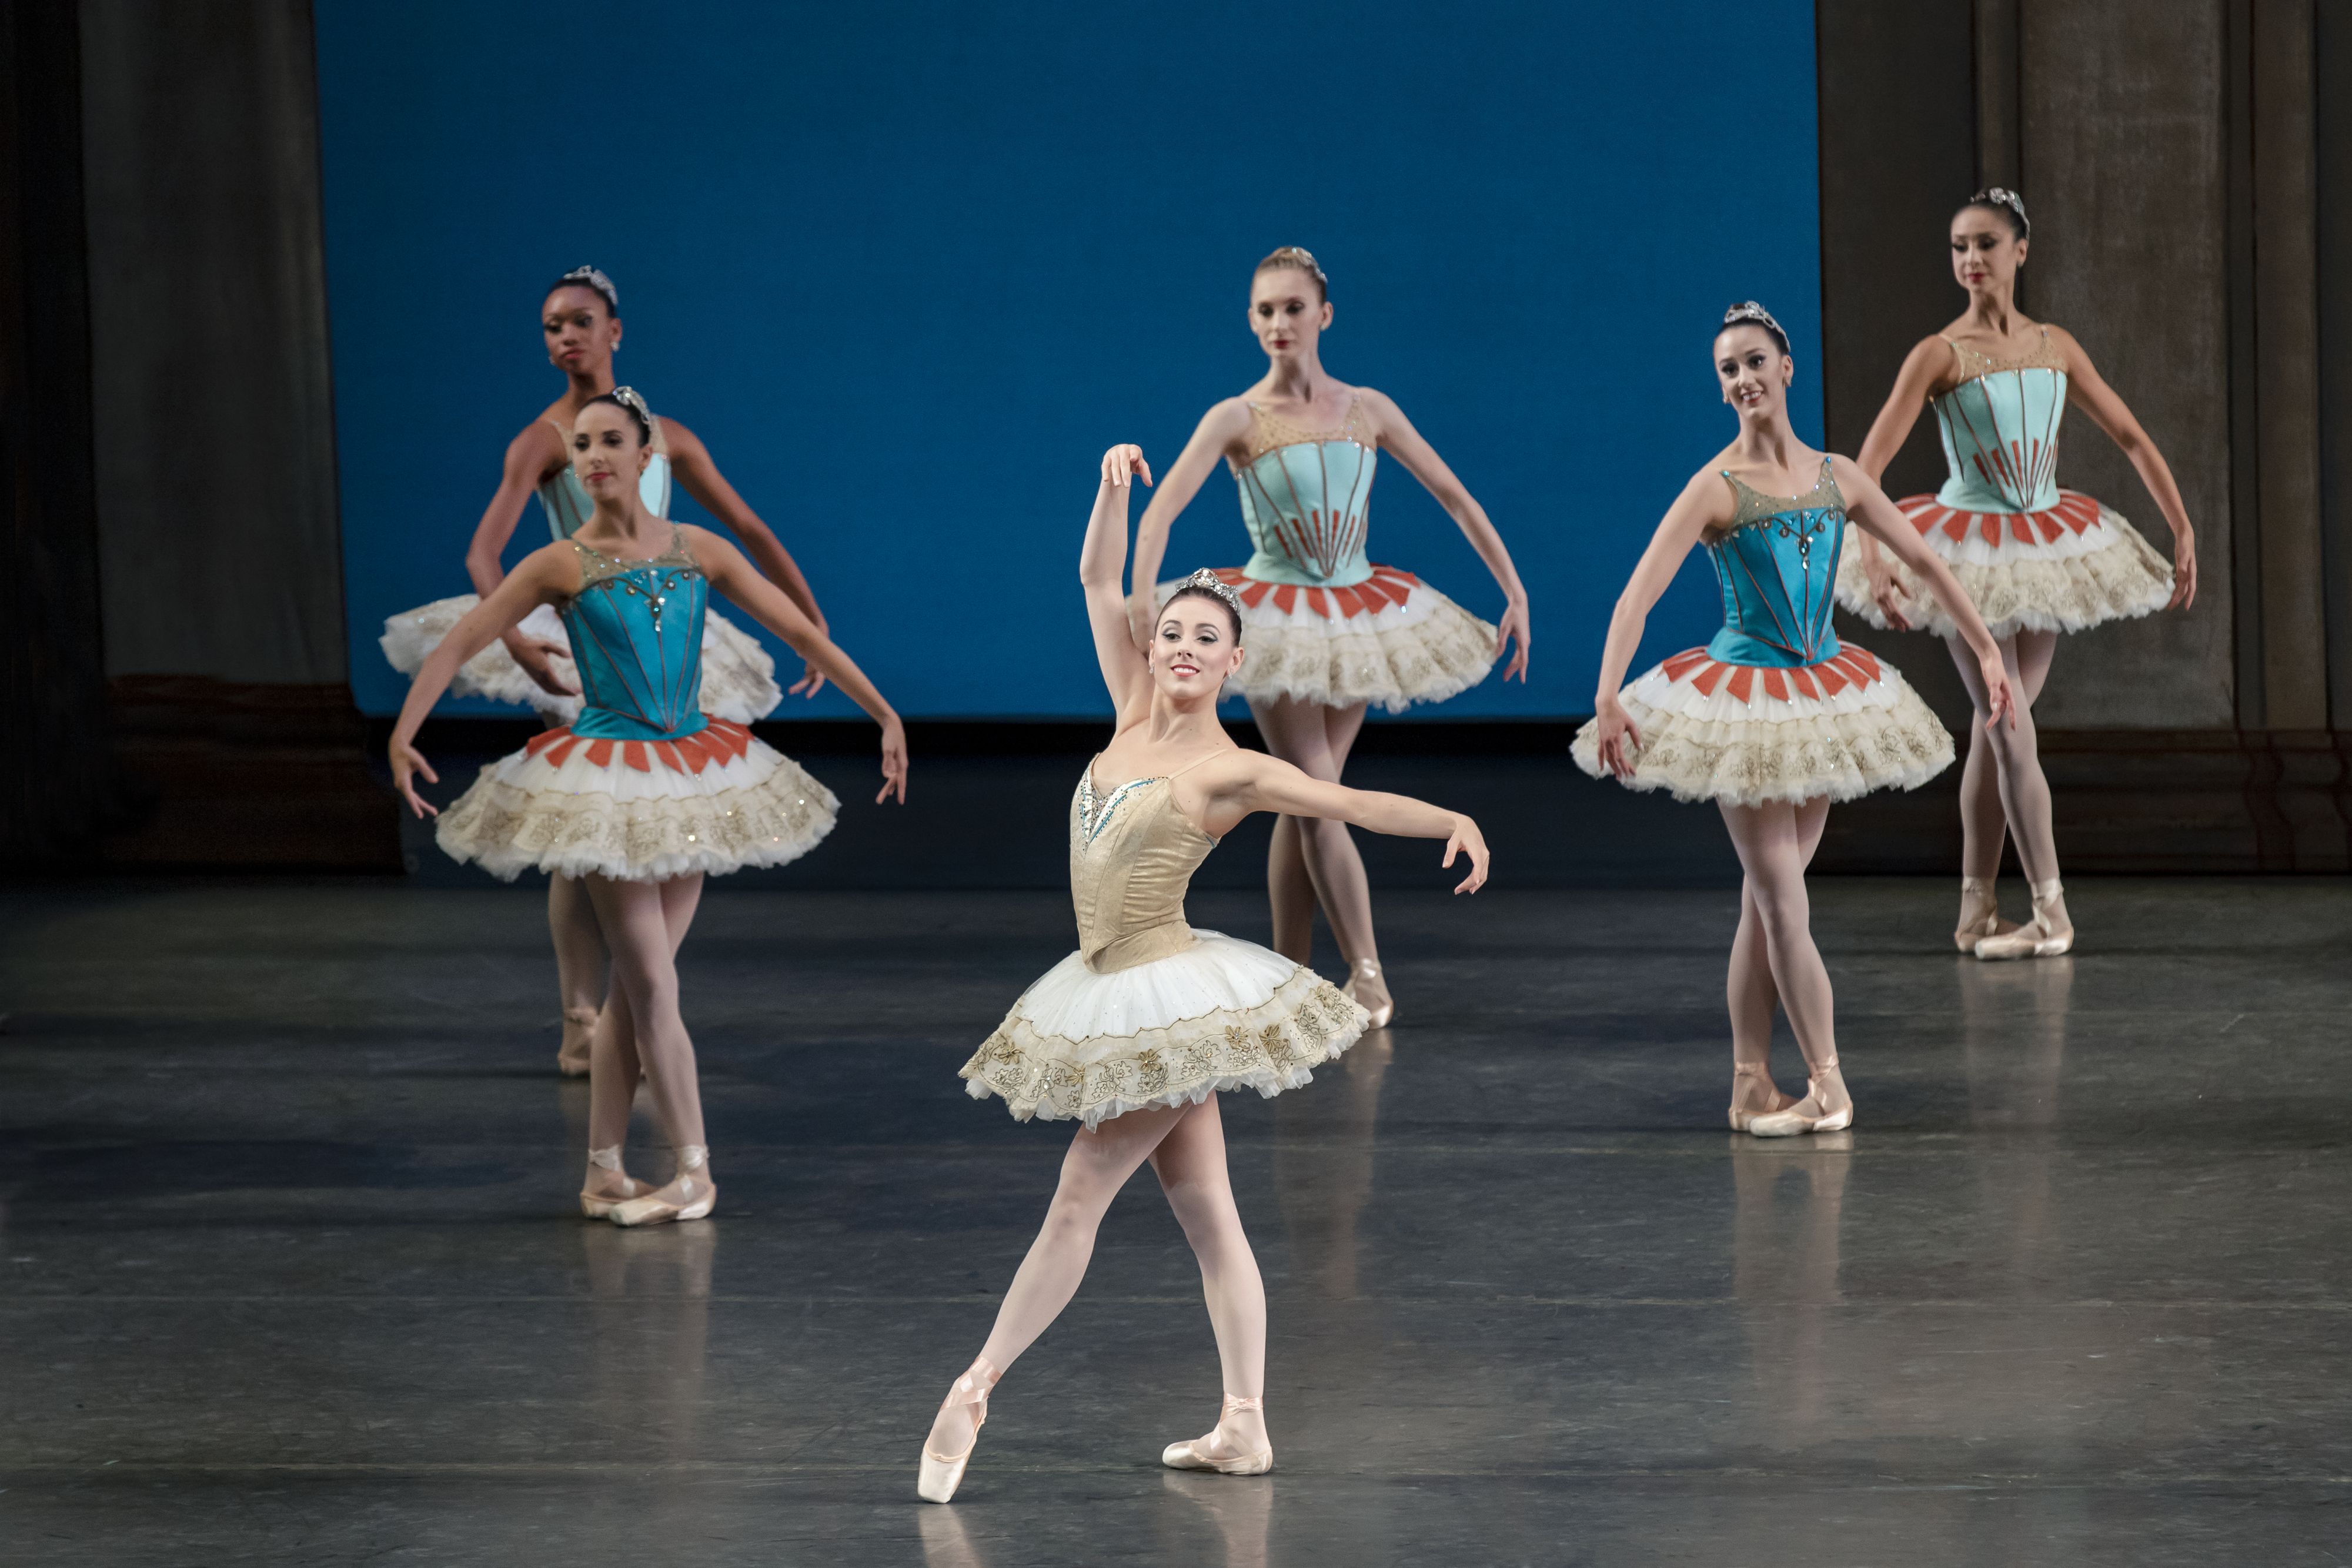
x=1198, y=1453
x=2048, y=934
x=1742, y=1119
x=1794, y=1123
x=599, y=1205
x=696, y=1193
x=942, y=1473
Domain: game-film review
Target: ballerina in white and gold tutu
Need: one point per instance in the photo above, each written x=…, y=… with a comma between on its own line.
x=644, y=794
x=1133, y=1036
x=2037, y=560
x=1331, y=633
x=531, y=664
x=1775, y=718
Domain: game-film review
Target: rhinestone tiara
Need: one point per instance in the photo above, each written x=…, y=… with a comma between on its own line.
x=636, y=402
x=1209, y=580
x=2002, y=196
x=594, y=277
x=1748, y=310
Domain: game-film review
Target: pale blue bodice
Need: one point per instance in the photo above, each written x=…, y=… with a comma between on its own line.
x=1305, y=500
x=565, y=501
x=1777, y=565
x=2000, y=431
x=636, y=637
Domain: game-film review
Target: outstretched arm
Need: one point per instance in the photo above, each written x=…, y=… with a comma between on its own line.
x=700, y=478
x=2089, y=391
x=1422, y=461
x=1101, y=563
x=529, y=457
x=1922, y=368
x=544, y=577
x=1705, y=502
x=1867, y=505
x=762, y=600
x=1218, y=430
x=1241, y=782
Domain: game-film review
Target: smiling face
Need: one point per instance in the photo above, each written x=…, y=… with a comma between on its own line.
x=580, y=330
x=1287, y=312
x=608, y=451
x=1755, y=373
x=1986, y=250
x=1195, y=647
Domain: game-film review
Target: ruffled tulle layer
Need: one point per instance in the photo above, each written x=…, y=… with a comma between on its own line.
x=2075, y=566
x=1748, y=734
x=739, y=677
x=1390, y=640
x=638, y=810
x=1223, y=1013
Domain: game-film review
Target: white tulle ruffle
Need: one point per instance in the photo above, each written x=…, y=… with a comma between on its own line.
x=739, y=677
x=1223, y=1013
x=1390, y=641
x=2071, y=568
x=1746, y=733
x=638, y=810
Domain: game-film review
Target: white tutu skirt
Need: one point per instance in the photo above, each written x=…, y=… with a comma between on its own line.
x=1748, y=734
x=738, y=678
x=638, y=810
x=2064, y=569
x=1222, y=1014
x=1389, y=641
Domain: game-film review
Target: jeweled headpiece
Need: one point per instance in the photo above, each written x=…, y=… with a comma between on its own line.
x=1748, y=310
x=1299, y=256
x=631, y=396
x=1207, y=581
x=2002, y=197
x=594, y=277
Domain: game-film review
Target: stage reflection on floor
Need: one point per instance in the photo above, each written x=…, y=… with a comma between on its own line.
x=293, y=1275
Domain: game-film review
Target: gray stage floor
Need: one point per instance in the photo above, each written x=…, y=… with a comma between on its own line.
x=292, y=1272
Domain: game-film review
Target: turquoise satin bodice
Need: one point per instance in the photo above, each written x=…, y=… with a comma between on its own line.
x=2000, y=431
x=1777, y=566
x=636, y=638
x=565, y=501
x=1306, y=497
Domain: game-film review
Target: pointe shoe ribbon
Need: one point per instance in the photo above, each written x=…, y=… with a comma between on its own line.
x=570, y=1061
x=1194, y=1453
x=2044, y=937
x=600, y=1205
x=1739, y=1118
x=695, y=1194
x=942, y=1473
x=1366, y=972
x=1791, y=1124
x=1979, y=915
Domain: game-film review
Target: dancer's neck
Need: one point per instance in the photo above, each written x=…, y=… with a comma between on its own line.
x=1298, y=378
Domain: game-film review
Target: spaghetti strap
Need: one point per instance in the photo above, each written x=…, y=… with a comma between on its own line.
x=1195, y=763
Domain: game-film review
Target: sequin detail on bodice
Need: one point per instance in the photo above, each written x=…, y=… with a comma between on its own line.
x=1777, y=566
x=636, y=638
x=1132, y=855
x=1999, y=427
x=565, y=501
x=1305, y=499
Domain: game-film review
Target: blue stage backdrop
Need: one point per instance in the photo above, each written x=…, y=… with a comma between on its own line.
x=909, y=269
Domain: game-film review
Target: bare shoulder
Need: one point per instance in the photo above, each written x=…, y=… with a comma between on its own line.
x=1850, y=478
x=2066, y=343
x=537, y=449
x=551, y=567
x=1227, y=417
x=678, y=437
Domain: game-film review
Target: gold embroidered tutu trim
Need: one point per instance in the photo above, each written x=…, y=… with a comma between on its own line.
x=739, y=677
x=1272, y=1047
x=2025, y=590
x=1339, y=663
x=508, y=830
x=1897, y=744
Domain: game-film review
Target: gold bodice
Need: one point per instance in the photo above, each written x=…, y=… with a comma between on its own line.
x=1132, y=855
